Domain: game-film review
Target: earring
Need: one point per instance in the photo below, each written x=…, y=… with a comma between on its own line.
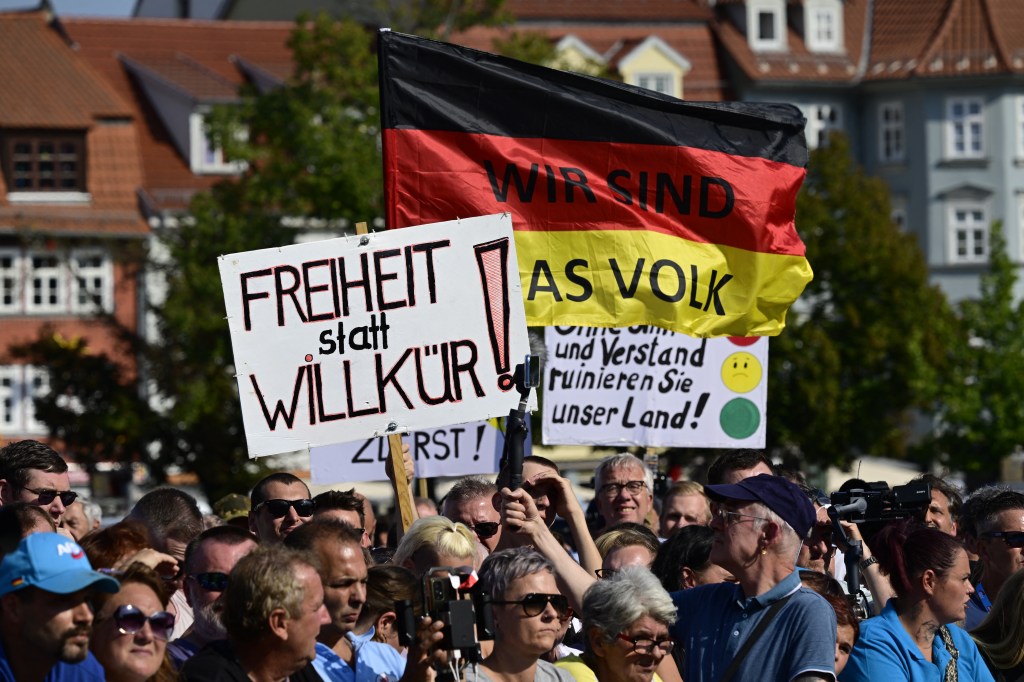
x=764, y=550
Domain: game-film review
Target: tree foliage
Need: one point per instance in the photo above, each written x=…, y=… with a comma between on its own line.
x=864, y=349
x=981, y=418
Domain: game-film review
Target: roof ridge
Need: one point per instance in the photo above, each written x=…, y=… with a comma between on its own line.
x=204, y=69
x=997, y=38
x=945, y=26
x=170, y=21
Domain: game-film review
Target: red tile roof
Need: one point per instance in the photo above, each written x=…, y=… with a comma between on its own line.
x=929, y=38
x=693, y=41
x=203, y=59
x=65, y=91
x=606, y=10
x=797, y=63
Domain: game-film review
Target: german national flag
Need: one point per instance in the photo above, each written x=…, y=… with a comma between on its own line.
x=629, y=207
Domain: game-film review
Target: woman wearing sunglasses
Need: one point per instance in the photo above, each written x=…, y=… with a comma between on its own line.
x=626, y=617
x=528, y=616
x=131, y=628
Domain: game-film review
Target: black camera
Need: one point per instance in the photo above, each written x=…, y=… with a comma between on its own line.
x=449, y=597
x=878, y=502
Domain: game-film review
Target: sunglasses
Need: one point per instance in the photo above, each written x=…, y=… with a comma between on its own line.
x=48, y=495
x=534, y=604
x=279, y=508
x=487, y=529
x=605, y=573
x=212, y=582
x=1013, y=538
x=130, y=619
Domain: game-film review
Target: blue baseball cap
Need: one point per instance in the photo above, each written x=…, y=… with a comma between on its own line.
x=787, y=500
x=53, y=563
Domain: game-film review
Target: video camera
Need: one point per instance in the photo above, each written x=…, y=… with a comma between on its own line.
x=449, y=596
x=877, y=502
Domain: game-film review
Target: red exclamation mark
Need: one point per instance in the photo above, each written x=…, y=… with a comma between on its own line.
x=492, y=259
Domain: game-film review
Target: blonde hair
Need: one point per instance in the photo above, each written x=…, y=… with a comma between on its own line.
x=438, y=534
x=1001, y=635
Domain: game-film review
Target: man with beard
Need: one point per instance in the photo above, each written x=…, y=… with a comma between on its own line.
x=209, y=560
x=341, y=655
x=45, y=618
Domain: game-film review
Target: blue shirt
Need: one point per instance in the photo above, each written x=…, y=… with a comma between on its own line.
x=715, y=621
x=375, y=662
x=88, y=670
x=885, y=651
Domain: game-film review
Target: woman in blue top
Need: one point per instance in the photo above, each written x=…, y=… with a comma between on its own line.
x=913, y=639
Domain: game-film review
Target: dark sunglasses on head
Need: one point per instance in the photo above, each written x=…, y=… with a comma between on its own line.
x=279, y=508
x=130, y=619
x=484, y=530
x=1013, y=538
x=605, y=573
x=534, y=604
x=212, y=582
x=48, y=495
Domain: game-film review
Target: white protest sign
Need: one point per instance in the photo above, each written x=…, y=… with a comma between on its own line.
x=651, y=387
x=376, y=334
x=461, y=450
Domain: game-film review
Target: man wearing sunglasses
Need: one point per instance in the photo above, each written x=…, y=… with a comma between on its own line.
x=1000, y=547
x=34, y=473
x=45, y=618
x=209, y=560
x=471, y=501
x=280, y=504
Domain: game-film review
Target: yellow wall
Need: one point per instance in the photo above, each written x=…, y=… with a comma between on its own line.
x=652, y=60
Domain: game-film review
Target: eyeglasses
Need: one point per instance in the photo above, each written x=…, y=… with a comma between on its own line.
x=1013, y=538
x=604, y=573
x=613, y=489
x=279, y=508
x=728, y=518
x=212, y=582
x=487, y=529
x=48, y=495
x=646, y=646
x=130, y=619
x=534, y=604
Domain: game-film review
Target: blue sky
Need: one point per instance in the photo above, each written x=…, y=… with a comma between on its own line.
x=82, y=8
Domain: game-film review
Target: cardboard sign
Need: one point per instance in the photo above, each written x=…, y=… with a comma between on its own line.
x=377, y=334
x=652, y=387
x=461, y=450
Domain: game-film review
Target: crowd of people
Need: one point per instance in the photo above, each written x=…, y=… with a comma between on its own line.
x=742, y=578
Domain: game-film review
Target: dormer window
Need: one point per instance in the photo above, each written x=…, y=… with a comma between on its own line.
x=205, y=155
x=766, y=24
x=44, y=161
x=823, y=25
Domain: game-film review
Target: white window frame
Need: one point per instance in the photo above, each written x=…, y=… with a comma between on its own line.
x=965, y=129
x=892, y=145
x=91, y=281
x=644, y=79
x=55, y=274
x=818, y=127
x=18, y=388
x=1020, y=125
x=37, y=383
x=898, y=214
x=778, y=15
x=824, y=26
x=12, y=280
x=974, y=229
x=67, y=273
x=204, y=158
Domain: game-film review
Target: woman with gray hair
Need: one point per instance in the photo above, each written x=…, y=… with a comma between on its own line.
x=626, y=619
x=528, y=614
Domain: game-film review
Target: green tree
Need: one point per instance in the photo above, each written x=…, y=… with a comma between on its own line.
x=865, y=346
x=981, y=419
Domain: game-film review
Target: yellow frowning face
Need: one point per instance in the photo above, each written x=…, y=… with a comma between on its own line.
x=741, y=372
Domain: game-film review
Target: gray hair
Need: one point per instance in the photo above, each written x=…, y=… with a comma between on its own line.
x=613, y=604
x=466, y=490
x=501, y=568
x=619, y=461
x=262, y=581
x=93, y=513
x=790, y=538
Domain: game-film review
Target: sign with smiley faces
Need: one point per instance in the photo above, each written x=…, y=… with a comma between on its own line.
x=655, y=388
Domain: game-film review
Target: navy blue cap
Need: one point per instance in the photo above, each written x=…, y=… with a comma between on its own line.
x=787, y=500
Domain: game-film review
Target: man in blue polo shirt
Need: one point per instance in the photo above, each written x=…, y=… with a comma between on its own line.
x=45, y=617
x=759, y=525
